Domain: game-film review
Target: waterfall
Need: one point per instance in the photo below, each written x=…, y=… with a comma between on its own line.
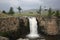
x=33, y=28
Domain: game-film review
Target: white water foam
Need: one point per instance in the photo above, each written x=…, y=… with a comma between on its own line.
x=33, y=28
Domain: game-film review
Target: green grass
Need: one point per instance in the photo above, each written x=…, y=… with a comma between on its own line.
x=18, y=14
x=26, y=14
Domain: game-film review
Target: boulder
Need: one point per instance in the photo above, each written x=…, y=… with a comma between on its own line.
x=3, y=38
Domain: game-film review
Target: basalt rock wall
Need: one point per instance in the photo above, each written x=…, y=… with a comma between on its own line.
x=49, y=26
x=8, y=24
x=21, y=24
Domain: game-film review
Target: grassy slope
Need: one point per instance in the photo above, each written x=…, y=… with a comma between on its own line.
x=27, y=13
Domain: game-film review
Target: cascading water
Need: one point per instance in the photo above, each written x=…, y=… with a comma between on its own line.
x=33, y=28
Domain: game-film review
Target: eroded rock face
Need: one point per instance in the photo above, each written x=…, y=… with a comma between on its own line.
x=8, y=24
x=52, y=27
x=21, y=24
x=48, y=26
x=15, y=27
x=41, y=25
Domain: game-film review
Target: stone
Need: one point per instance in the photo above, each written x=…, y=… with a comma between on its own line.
x=3, y=38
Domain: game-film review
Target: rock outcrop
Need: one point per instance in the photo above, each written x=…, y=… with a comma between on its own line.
x=8, y=24
x=22, y=24
x=52, y=27
x=48, y=26
x=3, y=38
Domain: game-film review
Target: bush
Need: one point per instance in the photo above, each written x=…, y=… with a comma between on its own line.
x=3, y=34
x=4, y=11
x=31, y=12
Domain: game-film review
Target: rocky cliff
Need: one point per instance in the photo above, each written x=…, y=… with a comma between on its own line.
x=22, y=24
x=8, y=24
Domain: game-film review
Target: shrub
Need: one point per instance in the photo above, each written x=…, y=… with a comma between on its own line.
x=4, y=11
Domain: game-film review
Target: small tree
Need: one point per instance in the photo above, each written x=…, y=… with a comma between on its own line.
x=49, y=12
x=11, y=11
x=19, y=9
x=39, y=11
x=57, y=13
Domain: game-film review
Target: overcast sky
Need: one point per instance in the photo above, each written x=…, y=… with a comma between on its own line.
x=29, y=4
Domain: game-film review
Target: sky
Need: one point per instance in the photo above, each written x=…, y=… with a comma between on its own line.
x=29, y=4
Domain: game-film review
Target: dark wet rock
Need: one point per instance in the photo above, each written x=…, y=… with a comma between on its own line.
x=24, y=26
